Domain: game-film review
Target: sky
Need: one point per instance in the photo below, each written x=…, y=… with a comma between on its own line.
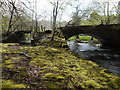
x=44, y=8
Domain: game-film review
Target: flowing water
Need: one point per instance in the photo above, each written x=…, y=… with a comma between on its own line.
x=107, y=58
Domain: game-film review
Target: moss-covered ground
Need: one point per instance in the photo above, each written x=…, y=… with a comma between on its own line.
x=51, y=68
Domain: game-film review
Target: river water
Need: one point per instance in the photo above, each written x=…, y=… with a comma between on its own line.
x=107, y=58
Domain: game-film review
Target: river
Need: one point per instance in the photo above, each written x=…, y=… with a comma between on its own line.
x=107, y=58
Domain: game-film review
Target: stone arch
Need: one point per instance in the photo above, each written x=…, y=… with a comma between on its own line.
x=108, y=35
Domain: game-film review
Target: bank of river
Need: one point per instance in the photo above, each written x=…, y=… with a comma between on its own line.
x=109, y=59
x=43, y=67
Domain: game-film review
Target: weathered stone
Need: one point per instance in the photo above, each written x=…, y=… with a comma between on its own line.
x=108, y=35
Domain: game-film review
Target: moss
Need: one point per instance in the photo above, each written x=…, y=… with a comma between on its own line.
x=22, y=68
x=51, y=67
x=22, y=74
x=58, y=43
x=11, y=84
x=52, y=50
x=8, y=44
x=8, y=64
x=92, y=84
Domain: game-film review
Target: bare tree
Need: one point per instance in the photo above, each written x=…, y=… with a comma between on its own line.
x=17, y=12
x=57, y=5
x=12, y=10
x=1, y=3
x=55, y=13
x=0, y=18
x=118, y=12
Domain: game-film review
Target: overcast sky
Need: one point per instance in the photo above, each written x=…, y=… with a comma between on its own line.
x=44, y=7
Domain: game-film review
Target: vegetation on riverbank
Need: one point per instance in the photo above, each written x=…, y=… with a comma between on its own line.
x=84, y=38
x=49, y=67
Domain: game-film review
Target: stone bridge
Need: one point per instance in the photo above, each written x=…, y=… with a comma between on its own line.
x=19, y=36
x=108, y=35
x=15, y=37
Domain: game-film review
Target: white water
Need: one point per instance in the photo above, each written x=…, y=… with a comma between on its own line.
x=107, y=58
x=81, y=46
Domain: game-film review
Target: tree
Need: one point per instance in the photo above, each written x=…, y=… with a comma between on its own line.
x=118, y=12
x=0, y=19
x=76, y=17
x=55, y=13
x=85, y=13
x=57, y=6
x=95, y=18
x=16, y=15
x=11, y=11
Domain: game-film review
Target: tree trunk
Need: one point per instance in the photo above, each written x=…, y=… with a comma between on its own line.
x=55, y=13
x=10, y=21
x=119, y=12
x=108, y=21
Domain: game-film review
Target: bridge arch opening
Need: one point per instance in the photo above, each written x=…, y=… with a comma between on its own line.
x=83, y=38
